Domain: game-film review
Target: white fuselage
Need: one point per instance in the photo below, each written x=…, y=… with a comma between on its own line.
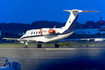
x=34, y=35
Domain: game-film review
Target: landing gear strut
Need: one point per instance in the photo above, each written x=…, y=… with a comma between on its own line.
x=26, y=43
x=39, y=45
x=56, y=45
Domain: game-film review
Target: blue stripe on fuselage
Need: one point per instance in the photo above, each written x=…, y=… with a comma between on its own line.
x=72, y=26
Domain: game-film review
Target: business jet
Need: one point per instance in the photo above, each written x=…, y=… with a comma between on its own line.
x=45, y=35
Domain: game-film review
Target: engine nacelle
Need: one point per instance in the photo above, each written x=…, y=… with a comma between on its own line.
x=47, y=31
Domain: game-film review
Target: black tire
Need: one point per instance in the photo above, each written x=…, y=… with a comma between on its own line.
x=56, y=45
x=25, y=46
x=39, y=46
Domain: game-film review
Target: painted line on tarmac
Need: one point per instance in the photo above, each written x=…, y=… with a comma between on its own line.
x=90, y=48
x=60, y=49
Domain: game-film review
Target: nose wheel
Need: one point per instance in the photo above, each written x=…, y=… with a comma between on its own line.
x=26, y=43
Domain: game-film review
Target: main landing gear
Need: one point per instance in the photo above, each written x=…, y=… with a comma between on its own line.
x=39, y=45
x=56, y=45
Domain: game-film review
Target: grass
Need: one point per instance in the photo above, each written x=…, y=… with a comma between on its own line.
x=61, y=44
x=82, y=44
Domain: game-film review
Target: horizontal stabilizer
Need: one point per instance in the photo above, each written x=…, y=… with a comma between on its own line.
x=79, y=11
x=90, y=11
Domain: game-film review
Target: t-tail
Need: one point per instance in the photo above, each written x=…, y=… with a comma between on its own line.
x=71, y=22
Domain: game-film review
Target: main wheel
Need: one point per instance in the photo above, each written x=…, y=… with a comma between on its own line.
x=39, y=46
x=25, y=46
x=56, y=45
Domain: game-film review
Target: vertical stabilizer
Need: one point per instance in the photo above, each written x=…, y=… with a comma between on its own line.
x=71, y=22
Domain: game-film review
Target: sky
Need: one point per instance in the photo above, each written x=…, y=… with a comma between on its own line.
x=28, y=11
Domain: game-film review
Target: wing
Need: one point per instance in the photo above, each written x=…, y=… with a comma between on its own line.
x=95, y=39
x=11, y=38
x=21, y=40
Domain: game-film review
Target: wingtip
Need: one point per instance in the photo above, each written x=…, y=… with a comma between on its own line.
x=90, y=11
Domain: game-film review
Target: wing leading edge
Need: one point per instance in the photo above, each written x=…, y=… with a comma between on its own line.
x=12, y=39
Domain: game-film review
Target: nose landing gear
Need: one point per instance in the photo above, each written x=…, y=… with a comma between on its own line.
x=26, y=43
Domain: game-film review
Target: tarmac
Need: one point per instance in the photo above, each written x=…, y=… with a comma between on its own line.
x=56, y=58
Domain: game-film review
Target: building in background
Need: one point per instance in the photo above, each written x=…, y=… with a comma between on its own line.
x=102, y=26
x=90, y=31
